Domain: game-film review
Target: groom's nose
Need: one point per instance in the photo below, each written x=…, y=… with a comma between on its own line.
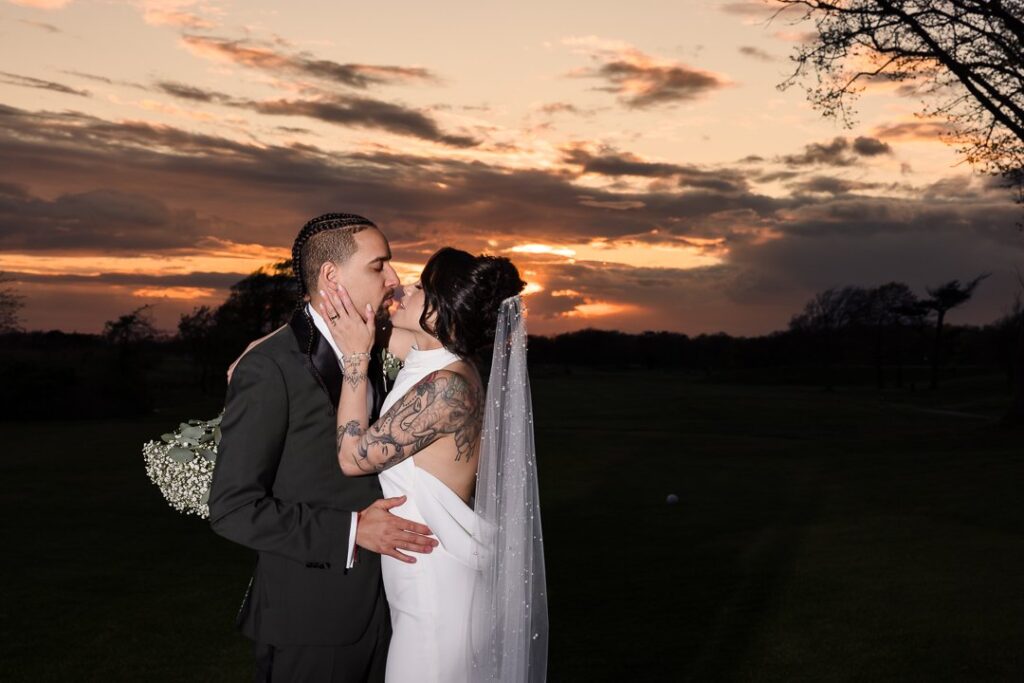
x=391, y=278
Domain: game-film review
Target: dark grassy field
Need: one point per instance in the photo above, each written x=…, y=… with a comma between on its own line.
x=819, y=536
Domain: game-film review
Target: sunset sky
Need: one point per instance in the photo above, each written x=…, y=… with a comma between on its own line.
x=634, y=159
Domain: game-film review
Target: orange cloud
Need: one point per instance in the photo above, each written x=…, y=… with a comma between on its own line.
x=599, y=309
x=193, y=293
x=42, y=4
x=693, y=253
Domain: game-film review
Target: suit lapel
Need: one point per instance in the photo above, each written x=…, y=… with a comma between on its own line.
x=377, y=383
x=319, y=355
x=323, y=364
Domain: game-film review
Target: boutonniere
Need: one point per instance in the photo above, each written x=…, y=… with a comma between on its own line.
x=390, y=364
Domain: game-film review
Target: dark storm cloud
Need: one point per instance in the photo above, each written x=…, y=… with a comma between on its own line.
x=832, y=154
x=838, y=152
x=191, y=92
x=613, y=163
x=870, y=147
x=830, y=185
x=257, y=189
x=361, y=112
x=198, y=279
x=277, y=62
x=871, y=240
x=105, y=219
x=769, y=176
x=641, y=85
x=262, y=193
x=368, y=113
x=39, y=84
x=692, y=299
x=546, y=305
x=757, y=53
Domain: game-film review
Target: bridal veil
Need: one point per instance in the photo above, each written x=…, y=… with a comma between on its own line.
x=509, y=622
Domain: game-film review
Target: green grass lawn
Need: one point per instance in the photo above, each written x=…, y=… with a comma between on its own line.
x=819, y=536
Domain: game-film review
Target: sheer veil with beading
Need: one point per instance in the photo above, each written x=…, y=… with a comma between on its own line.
x=509, y=621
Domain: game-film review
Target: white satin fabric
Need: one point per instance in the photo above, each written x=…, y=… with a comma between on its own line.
x=430, y=600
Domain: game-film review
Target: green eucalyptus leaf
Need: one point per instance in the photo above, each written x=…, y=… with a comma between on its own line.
x=192, y=433
x=179, y=454
x=167, y=438
x=208, y=454
x=216, y=436
x=205, y=498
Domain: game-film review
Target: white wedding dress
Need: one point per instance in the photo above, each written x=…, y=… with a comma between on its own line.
x=475, y=609
x=430, y=600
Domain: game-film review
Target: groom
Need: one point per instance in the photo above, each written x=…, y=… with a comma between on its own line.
x=315, y=606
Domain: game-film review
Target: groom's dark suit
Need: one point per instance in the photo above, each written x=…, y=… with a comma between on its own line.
x=277, y=488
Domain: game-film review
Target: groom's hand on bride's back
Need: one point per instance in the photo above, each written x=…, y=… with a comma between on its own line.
x=388, y=534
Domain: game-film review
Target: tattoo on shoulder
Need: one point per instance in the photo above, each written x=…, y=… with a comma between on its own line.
x=440, y=404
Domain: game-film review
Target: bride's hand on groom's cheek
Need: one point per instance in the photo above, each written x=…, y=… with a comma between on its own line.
x=387, y=534
x=353, y=332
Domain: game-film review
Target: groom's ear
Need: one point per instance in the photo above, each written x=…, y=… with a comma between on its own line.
x=329, y=275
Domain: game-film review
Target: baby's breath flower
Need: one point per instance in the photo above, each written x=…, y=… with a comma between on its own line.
x=181, y=464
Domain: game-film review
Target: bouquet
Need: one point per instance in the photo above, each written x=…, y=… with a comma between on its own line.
x=181, y=464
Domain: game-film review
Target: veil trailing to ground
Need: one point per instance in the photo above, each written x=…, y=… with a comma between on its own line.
x=509, y=622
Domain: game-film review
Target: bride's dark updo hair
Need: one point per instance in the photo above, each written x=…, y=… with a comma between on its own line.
x=466, y=292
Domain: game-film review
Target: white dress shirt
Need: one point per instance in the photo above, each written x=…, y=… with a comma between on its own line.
x=325, y=330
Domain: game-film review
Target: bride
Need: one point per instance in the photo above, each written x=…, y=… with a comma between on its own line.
x=462, y=454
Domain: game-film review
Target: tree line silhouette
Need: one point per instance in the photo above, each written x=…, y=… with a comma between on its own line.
x=886, y=335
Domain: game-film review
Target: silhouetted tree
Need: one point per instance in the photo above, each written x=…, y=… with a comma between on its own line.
x=944, y=298
x=132, y=328
x=912, y=315
x=10, y=306
x=963, y=55
x=822, y=319
x=129, y=334
x=196, y=332
x=259, y=303
x=884, y=312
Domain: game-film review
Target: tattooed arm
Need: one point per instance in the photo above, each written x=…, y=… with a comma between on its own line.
x=441, y=404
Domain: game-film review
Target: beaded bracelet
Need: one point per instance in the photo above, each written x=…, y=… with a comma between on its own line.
x=354, y=358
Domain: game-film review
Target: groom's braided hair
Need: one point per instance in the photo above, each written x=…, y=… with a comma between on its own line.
x=313, y=245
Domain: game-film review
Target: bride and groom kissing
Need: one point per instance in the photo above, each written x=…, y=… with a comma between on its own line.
x=397, y=533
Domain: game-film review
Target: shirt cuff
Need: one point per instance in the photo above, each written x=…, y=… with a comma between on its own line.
x=351, y=561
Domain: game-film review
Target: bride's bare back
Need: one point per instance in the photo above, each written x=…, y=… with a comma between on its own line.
x=453, y=459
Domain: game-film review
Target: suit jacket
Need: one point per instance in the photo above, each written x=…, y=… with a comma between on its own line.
x=277, y=488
